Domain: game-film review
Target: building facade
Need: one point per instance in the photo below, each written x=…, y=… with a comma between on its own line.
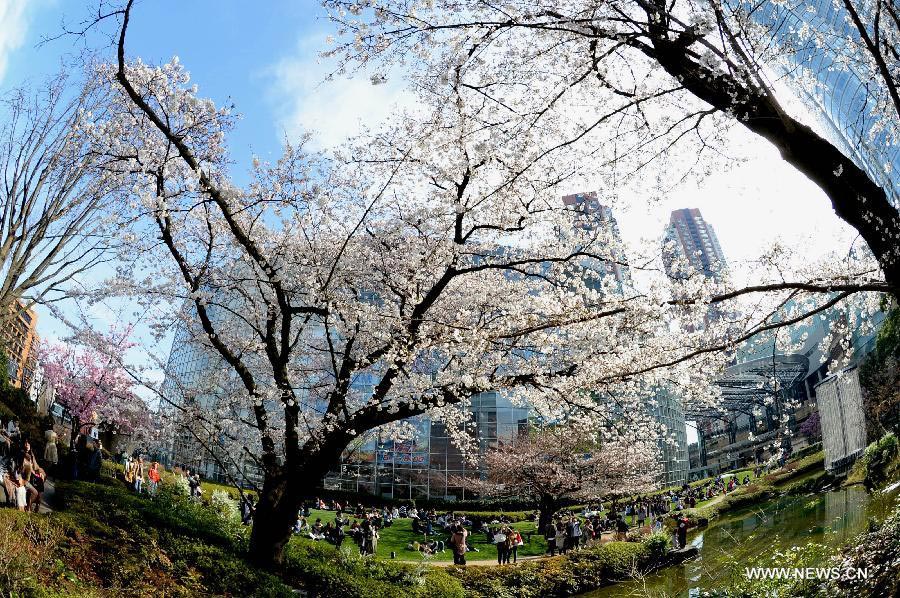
x=842, y=418
x=831, y=85
x=594, y=216
x=20, y=341
x=673, y=447
x=691, y=240
x=428, y=465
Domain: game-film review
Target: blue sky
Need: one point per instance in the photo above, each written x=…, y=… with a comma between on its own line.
x=263, y=57
x=264, y=60
x=230, y=55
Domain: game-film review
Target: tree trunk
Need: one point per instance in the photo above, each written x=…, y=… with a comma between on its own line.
x=276, y=513
x=548, y=507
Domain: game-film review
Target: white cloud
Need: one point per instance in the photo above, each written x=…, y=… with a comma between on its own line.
x=332, y=110
x=12, y=29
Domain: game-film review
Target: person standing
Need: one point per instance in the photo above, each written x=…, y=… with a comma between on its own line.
x=500, y=543
x=550, y=535
x=515, y=540
x=682, y=532
x=129, y=471
x=51, y=454
x=139, y=475
x=153, y=479
x=576, y=534
x=561, y=536
x=570, y=534
x=458, y=540
x=372, y=539
x=621, y=528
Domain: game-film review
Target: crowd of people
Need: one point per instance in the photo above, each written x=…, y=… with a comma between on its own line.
x=22, y=477
x=137, y=473
x=621, y=518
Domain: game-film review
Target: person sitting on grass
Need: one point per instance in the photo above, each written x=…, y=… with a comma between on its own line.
x=317, y=532
x=301, y=526
x=328, y=532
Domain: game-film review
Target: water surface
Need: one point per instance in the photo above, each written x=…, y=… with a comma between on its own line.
x=752, y=535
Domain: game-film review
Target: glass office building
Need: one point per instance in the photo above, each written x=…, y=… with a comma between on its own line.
x=813, y=36
x=673, y=447
x=425, y=467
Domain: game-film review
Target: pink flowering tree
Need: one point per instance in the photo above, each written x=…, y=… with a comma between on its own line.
x=554, y=466
x=811, y=426
x=93, y=386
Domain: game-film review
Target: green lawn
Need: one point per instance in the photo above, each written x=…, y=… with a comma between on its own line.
x=396, y=538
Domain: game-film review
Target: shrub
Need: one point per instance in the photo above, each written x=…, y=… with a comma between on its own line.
x=658, y=543
x=180, y=486
x=573, y=573
x=879, y=460
x=224, y=506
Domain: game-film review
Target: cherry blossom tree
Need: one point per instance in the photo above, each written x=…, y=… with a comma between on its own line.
x=92, y=385
x=811, y=427
x=634, y=82
x=417, y=266
x=556, y=465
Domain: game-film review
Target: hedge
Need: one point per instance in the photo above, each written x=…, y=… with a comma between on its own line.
x=573, y=573
x=323, y=570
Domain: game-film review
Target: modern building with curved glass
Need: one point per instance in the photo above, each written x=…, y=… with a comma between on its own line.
x=813, y=36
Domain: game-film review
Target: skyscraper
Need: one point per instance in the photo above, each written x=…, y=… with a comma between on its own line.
x=594, y=216
x=19, y=338
x=691, y=241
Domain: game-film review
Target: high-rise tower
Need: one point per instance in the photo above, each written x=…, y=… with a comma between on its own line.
x=594, y=216
x=692, y=245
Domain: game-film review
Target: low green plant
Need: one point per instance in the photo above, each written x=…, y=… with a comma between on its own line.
x=658, y=543
x=881, y=461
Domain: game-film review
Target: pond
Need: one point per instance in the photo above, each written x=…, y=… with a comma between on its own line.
x=752, y=534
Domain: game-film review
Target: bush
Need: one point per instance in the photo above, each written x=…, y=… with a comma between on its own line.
x=225, y=506
x=573, y=573
x=181, y=486
x=880, y=461
x=658, y=544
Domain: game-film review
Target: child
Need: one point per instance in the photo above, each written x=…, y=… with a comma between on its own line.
x=21, y=495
